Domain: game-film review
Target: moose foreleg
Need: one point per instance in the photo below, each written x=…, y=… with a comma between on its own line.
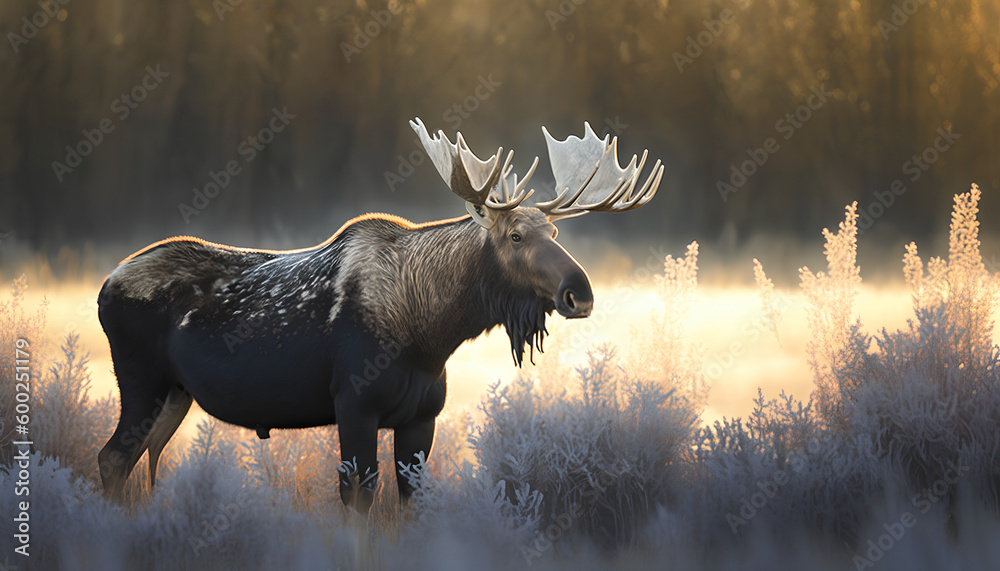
x=359, y=458
x=411, y=439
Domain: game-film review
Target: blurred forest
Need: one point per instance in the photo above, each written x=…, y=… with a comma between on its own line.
x=697, y=83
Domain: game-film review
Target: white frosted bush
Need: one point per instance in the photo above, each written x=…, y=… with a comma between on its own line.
x=16, y=323
x=777, y=472
x=928, y=396
x=66, y=422
x=604, y=468
x=466, y=520
x=604, y=457
x=664, y=353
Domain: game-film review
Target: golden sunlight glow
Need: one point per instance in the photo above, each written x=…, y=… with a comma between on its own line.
x=740, y=352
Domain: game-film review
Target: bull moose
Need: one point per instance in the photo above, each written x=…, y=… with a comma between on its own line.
x=355, y=331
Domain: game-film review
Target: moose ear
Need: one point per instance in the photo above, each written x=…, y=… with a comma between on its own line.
x=481, y=214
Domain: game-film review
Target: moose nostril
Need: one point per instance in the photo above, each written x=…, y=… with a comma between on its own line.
x=568, y=299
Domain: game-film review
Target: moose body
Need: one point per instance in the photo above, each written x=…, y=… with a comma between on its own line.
x=355, y=331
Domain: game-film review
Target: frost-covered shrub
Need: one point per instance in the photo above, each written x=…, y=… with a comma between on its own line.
x=301, y=464
x=916, y=405
x=604, y=457
x=66, y=423
x=208, y=514
x=961, y=288
x=603, y=468
x=903, y=409
x=780, y=470
x=65, y=517
x=928, y=397
x=664, y=353
x=830, y=303
x=769, y=305
x=16, y=323
x=467, y=519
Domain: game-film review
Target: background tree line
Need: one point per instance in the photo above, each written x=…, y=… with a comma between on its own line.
x=698, y=87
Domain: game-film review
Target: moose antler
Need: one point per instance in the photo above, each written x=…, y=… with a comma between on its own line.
x=469, y=177
x=590, y=179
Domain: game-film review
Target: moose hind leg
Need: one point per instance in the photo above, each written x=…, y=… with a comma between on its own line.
x=359, y=457
x=411, y=439
x=174, y=410
x=142, y=397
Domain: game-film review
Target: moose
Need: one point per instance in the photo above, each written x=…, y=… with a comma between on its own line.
x=355, y=331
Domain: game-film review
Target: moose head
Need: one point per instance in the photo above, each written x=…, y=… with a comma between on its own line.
x=588, y=178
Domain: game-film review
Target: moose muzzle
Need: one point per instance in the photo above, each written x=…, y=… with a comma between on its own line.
x=575, y=298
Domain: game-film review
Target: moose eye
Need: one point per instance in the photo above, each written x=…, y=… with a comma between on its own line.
x=515, y=237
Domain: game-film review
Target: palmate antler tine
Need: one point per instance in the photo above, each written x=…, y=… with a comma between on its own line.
x=564, y=206
x=647, y=192
x=483, y=175
x=510, y=202
x=608, y=181
x=558, y=205
x=610, y=187
x=622, y=199
x=606, y=205
x=531, y=171
x=631, y=200
x=466, y=174
x=504, y=173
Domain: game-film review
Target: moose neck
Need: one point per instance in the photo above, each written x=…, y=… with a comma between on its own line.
x=451, y=289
